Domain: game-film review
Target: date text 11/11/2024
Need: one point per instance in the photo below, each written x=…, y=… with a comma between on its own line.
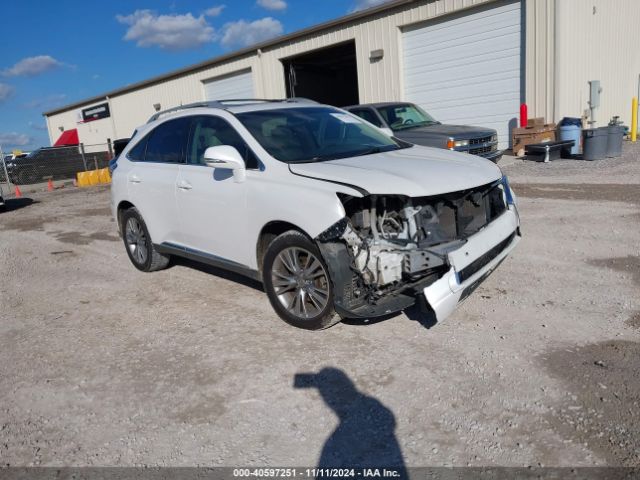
x=316, y=473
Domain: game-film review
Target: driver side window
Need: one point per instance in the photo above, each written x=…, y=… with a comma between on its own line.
x=210, y=131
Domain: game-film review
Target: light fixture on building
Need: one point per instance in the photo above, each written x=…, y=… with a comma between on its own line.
x=61, y=129
x=156, y=106
x=376, y=55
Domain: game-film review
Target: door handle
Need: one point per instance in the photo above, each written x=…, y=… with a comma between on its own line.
x=135, y=179
x=182, y=185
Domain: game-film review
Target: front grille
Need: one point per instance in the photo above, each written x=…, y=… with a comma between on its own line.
x=481, y=150
x=478, y=141
x=481, y=262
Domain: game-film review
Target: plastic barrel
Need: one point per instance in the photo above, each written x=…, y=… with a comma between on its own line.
x=614, y=140
x=571, y=129
x=594, y=143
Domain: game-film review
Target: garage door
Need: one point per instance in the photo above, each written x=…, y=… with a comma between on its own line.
x=466, y=69
x=237, y=85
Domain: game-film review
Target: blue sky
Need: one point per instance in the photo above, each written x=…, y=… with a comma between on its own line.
x=55, y=53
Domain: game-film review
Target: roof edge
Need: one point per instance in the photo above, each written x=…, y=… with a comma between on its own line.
x=393, y=4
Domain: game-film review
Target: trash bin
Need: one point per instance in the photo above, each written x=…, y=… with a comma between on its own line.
x=570, y=129
x=614, y=140
x=594, y=143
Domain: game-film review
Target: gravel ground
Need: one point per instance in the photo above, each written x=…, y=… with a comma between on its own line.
x=103, y=365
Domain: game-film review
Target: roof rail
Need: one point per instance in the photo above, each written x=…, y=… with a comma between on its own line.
x=224, y=104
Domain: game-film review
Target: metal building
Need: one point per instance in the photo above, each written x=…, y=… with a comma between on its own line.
x=464, y=61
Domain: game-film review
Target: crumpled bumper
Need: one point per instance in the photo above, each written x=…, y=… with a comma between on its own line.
x=473, y=262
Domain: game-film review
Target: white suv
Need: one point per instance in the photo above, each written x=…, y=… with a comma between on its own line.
x=333, y=216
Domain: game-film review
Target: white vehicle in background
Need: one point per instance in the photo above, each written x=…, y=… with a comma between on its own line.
x=334, y=217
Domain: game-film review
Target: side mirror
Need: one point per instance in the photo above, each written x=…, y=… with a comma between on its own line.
x=227, y=157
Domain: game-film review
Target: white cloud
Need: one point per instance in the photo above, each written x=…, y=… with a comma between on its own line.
x=49, y=101
x=6, y=91
x=274, y=5
x=214, y=11
x=364, y=4
x=13, y=139
x=32, y=66
x=243, y=33
x=169, y=32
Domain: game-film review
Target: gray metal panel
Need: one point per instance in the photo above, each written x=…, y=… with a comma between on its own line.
x=466, y=68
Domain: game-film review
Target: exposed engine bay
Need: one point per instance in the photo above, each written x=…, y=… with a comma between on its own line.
x=395, y=243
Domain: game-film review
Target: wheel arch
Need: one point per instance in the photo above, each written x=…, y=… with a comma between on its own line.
x=269, y=232
x=122, y=206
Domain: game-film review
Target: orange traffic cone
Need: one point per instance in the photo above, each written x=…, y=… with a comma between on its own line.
x=18, y=192
x=50, y=186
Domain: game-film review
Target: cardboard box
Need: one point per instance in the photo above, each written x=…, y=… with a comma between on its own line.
x=529, y=135
x=535, y=122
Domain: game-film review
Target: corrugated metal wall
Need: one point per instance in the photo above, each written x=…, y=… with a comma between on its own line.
x=134, y=108
x=597, y=40
x=540, y=50
x=377, y=81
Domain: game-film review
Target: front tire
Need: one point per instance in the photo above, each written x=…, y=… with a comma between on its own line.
x=297, y=282
x=138, y=243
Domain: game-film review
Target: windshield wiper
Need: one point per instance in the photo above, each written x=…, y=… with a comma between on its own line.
x=357, y=153
x=319, y=158
x=377, y=149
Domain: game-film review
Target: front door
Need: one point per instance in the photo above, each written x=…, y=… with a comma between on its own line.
x=212, y=205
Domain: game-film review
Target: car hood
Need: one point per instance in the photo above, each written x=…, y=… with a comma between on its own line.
x=416, y=171
x=445, y=131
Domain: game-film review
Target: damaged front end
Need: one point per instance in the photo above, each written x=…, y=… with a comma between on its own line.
x=388, y=249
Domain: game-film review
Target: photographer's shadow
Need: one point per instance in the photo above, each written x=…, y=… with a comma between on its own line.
x=365, y=437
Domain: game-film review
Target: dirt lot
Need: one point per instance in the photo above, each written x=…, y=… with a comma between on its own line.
x=103, y=365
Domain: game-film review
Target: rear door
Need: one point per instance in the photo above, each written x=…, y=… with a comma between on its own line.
x=212, y=205
x=152, y=179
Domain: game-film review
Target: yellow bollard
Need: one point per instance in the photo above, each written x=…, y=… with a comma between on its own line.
x=634, y=119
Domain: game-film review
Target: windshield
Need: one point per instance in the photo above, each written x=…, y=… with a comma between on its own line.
x=314, y=134
x=405, y=116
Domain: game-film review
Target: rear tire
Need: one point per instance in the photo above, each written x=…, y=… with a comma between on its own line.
x=297, y=282
x=138, y=244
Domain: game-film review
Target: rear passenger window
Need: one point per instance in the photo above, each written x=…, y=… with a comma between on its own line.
x=212, y=131
x=167, y=142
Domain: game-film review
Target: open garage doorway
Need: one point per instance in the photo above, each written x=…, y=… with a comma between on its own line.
x=328, y=75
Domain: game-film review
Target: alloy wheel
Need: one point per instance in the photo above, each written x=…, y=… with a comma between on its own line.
x=300, y=282
x=136, y=240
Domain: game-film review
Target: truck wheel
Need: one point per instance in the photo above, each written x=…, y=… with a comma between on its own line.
x=297, y=282
x=138, y=243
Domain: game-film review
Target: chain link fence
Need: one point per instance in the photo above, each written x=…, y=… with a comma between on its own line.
x=33, y=171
